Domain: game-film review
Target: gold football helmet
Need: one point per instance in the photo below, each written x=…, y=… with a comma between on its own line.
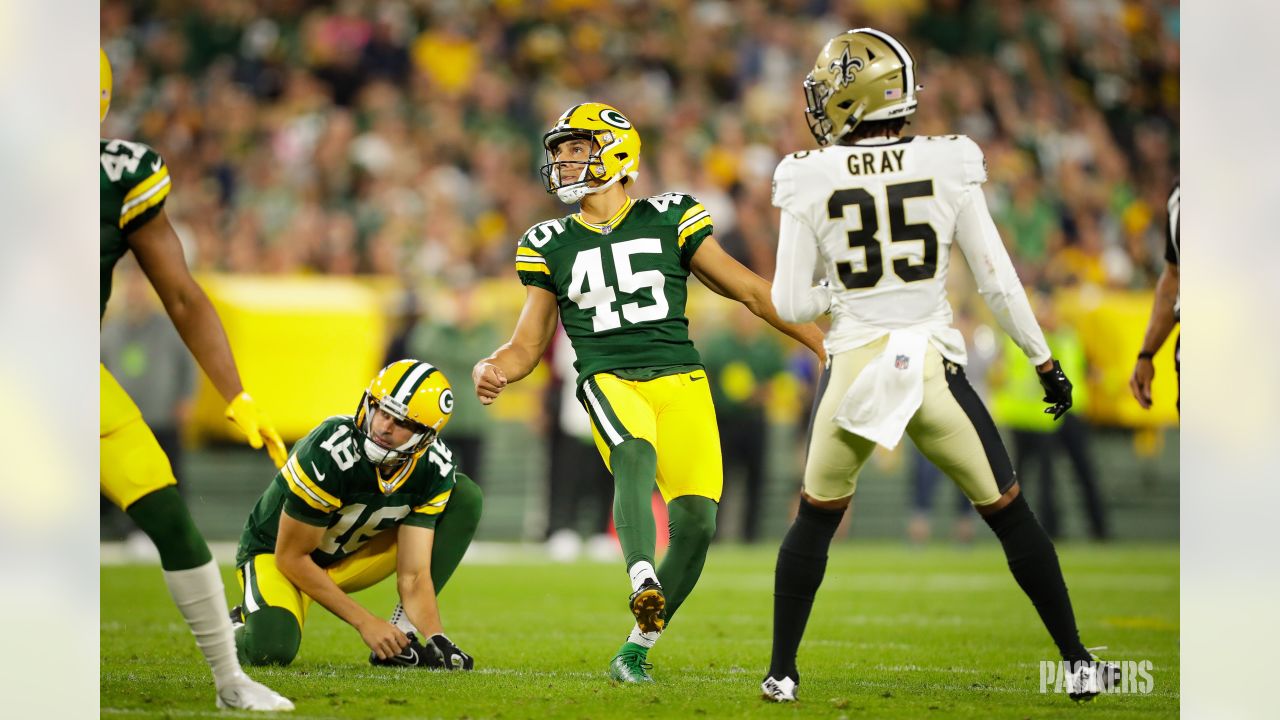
x=615, y=151
x=104, y=85
x=860, y=75
x=413, y=392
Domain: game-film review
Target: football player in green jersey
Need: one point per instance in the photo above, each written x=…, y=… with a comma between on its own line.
x=615, y=275
x=135, y=473
x=359, y=499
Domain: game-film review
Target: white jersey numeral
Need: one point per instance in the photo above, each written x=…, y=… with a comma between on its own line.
x=367, y=530
x=663, y=201
x=589, y=289
x=116, y=164
x=340, y=448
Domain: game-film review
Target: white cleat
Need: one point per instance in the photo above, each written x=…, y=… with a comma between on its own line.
x=1088, y=680
x=783, y=690
x=244, y=693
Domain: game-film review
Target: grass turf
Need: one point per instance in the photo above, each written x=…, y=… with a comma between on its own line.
x=895, y=632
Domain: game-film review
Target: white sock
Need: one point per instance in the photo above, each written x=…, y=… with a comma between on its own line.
x=644, y=639
x=200, y=598
x=401, y=621
x=640, y=572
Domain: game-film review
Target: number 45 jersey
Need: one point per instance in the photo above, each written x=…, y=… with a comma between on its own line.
x=621, y=292
x=884, y=213
x=328, y=483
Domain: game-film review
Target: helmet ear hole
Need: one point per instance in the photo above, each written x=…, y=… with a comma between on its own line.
x=846, y=105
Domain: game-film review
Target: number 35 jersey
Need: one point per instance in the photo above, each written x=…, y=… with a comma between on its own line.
x=884, y=214
x=328, y=483
x=621, y=292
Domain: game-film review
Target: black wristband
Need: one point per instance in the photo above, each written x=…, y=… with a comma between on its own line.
x=1144, y=355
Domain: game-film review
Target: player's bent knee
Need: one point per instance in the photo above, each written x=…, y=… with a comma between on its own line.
x=693, y=517
x=999, y=503
x=271, y=636
x=466, y=500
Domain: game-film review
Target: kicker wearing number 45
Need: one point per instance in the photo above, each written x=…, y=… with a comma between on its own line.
x=615, y=274
x=876, y=212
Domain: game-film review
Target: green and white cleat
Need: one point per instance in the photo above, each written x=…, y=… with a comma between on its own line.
x=629, y=665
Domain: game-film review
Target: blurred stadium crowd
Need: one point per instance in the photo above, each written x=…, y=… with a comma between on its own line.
x=398, y=141
x=403, y=136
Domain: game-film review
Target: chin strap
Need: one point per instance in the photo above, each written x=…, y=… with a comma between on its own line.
x=573, y=193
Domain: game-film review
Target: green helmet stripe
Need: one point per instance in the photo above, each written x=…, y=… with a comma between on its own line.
x=411, y=381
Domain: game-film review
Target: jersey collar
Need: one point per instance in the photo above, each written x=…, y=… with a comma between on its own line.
x=609, y=225
x=394, y=482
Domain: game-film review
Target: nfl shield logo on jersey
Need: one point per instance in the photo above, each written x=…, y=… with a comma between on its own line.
x=901, y=362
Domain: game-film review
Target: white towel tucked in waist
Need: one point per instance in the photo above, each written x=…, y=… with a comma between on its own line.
x=888, y=391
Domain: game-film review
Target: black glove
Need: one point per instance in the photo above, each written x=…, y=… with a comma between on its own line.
x=446, y=655
x=1057, y=390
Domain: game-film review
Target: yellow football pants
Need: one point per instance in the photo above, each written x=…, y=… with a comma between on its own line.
x=951, y=428
x=264, y=585
x=131, y=464
x=674, y=414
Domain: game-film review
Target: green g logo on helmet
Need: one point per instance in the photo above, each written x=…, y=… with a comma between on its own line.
x=615, y=118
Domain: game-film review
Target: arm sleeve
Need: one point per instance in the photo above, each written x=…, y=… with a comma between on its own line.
x=693, y=227
x=145, y=199
x=997, y=280
x=531, y=266
x=794, y=295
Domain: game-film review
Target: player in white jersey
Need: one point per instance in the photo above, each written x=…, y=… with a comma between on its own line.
x=877, y=213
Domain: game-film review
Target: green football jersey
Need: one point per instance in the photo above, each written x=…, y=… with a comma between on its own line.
x=329, y=483
x=621, y=292
x=134, y=183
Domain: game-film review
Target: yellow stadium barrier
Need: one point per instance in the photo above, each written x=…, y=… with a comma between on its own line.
x=1111, y=325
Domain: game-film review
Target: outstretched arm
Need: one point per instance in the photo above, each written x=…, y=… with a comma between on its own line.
x=159, y=253
x=1158, y=329
x=519, y=355
x=730, y=278
x=997, y=280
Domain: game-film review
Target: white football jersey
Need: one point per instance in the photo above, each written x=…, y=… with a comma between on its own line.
x=878, y=218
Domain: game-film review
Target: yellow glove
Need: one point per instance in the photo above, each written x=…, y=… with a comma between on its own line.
x=244, y=414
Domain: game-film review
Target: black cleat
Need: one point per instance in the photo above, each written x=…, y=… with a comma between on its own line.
x=237, y=617
x=415, y=654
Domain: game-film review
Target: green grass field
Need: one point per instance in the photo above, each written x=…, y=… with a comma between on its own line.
x=896, y=633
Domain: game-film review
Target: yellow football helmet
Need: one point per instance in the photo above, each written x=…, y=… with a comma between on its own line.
x=415, y=393
x=860, y=75
x=104, y=85
x=615, y=151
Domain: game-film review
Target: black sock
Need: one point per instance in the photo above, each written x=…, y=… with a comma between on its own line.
x=802, y=561
x=1034, y=563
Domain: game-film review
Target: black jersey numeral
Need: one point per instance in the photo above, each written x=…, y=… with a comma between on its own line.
x=899, y=231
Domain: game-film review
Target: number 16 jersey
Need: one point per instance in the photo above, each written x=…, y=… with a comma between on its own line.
x=621, y=291
x=329, y=483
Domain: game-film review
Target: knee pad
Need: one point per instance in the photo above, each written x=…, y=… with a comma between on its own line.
x=271, y=636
